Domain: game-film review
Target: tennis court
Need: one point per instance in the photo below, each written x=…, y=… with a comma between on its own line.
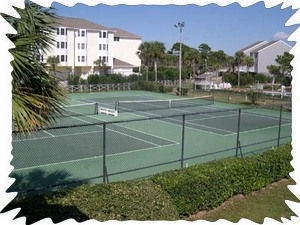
x=150, y=134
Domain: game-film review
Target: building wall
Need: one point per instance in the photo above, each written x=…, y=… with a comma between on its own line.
x=126, y=49
x=268, y=55
x=82, y=47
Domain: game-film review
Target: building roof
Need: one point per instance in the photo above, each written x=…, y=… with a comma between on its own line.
x=267, y=45
x=250, y=46
x=120, y=63
x=79, y=23
x=124, y=34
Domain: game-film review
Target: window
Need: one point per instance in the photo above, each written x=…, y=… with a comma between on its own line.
x=104, y=47
x=100, y=34
x=66, y=45
x=100, y=47
x=78, y=45
x=78, y=33
x=62, y=58
x=82, y=33
x=66, y=57
x=104, y=34
x=57, y=31
x=62, y=31
x=78, y=58
x=104, y=59
x=62, y=44
x=82, y=46
x=82, y=59
x=57, y=57
x=57, y=44
x=116, y=38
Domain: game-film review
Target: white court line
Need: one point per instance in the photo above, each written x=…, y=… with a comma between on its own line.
x=258, y=129
x=177, y=125
x=88, y=158
x=48, y=133
x=117, y=131
x=63, y=135
x=213, y=117
x=116, y=124
x=148, y=134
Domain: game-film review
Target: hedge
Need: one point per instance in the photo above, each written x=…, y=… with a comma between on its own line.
x=167, y=196
x=206, y=186
x=130, y=200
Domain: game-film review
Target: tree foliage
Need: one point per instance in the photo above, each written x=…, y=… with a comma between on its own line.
x=36, y=94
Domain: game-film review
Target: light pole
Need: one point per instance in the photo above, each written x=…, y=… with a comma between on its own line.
x=180, y=25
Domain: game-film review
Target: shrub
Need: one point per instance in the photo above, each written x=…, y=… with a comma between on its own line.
x=184, y=91
x=73, y=79
x=165, y=89
x=130, y=200
x=253, y=96
x=93, y=79
x=145, y=86
x=206, y=186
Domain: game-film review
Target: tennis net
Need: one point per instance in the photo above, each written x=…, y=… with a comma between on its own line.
x=156, y=104
x=79, y=109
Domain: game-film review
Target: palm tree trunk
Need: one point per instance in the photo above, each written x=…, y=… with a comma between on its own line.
x=238, y=75
x=147, y=73
x=155, y=69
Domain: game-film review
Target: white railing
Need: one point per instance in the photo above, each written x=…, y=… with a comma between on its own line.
x=99, y=87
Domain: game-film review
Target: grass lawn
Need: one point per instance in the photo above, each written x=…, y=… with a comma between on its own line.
x=267, y=202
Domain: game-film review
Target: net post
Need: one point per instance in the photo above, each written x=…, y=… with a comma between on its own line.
x=238, y=143
x=104, y=172
x=182, y=140
x=96, y=110
x=279, y=126
x=117, y=107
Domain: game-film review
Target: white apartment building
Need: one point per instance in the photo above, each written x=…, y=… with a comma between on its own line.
x=80, y=42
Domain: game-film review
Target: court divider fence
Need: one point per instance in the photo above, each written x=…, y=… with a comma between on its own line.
x=135, y=149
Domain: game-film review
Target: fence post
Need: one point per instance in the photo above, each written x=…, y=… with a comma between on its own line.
x=279, y=126
x=238, y=143
x=105, y=178
x=182, y=140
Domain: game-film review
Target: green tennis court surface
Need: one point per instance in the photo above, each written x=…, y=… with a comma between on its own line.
x=136, y=146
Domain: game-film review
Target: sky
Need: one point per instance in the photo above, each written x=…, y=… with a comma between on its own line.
x=228, y=28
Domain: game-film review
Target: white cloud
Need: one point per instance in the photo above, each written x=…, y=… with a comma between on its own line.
x=281, y=35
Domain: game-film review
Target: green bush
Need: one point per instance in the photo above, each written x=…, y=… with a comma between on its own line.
x=165, y=89
x=145, y=86
x=73, y=79
x=130, y=200
x=253, y=96
x=184, y=91
x=206, y=186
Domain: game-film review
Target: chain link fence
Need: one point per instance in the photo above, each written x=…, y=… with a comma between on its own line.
x=103, y=152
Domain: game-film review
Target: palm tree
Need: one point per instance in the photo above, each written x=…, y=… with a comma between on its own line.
x=100, y=64
x=204, y=50
x=157, y=51
x=53, y=61
x=144, y=53
x=192, y=57
x=239, y=60
x=218, y=59
x=36, y=94
x=249, y=62
x=275, y=71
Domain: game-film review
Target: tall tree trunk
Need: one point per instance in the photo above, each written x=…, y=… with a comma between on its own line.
x=155, y=69
x=273, y=82
x=147, y=73
x=238, y=75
